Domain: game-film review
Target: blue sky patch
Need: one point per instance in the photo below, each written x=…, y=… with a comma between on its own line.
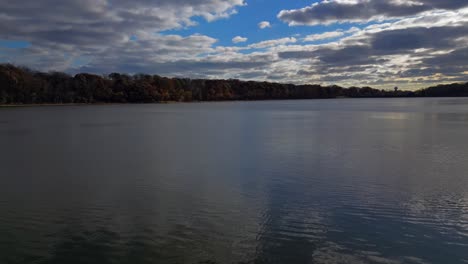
x=14, y=44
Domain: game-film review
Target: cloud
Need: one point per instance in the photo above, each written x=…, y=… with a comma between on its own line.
x=322, y=36
x=329, y=35
x=99, y=37
x=218, y=65
x=271, y=43
x=239, y=39
x=340, y=11
x=408, y=53
x=62, y=32
x=91, y=24
x=264, y=24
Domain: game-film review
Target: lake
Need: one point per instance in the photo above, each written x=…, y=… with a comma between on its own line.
x=307, y=181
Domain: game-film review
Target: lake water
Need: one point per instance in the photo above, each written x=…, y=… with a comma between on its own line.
x=319, y=181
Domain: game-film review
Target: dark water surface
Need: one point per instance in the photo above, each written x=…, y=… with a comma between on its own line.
x=324, y=181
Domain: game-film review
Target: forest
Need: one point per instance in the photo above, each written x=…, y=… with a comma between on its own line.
x=19, y=85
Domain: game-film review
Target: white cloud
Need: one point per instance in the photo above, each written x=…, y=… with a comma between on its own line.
x=85, y=25
x=323, y=36
x=341, y=11
x=123, y=37
x=330, y=35
x=271, y=43
x=239, y=39
x=264, y=24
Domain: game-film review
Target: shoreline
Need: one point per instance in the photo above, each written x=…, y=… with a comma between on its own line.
x=24, y=88
x=219, y=101
x=82, y=104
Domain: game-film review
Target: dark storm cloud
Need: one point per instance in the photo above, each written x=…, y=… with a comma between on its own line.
x=361, y=10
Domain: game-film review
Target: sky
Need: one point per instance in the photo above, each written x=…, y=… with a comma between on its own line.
x=379, y=43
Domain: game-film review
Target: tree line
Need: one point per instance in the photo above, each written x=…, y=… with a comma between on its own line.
x=19, y=85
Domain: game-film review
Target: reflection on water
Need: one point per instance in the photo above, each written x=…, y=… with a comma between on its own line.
x=391, y=116
x=327, y=181
x=93, y=125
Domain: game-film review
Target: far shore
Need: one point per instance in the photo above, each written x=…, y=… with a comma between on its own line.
x=192, y=102
x=21, y=87
x=83, y=104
